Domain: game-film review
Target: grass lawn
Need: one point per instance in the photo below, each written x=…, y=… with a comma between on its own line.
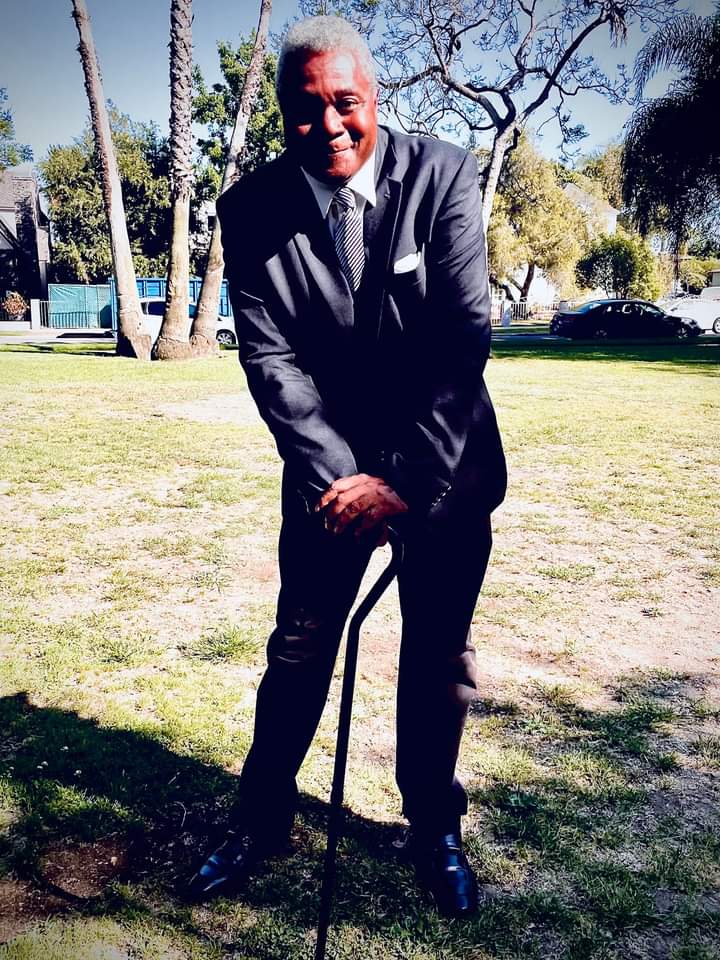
x=139, y=512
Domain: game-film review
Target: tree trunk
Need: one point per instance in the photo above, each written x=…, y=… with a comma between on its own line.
x=502, y=143
x=133, y=339
x=203, y=337
x=677, y=243
x=174, y=341
x=501, y=285
x=527, y=282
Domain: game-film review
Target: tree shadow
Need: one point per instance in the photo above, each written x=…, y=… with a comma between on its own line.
x=673, y=355
x=95, y=812
x=108, y=822
x=66, y=349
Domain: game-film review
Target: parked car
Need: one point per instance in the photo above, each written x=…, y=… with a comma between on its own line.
x=706, y=313
x=153, y=309
x=601, y=319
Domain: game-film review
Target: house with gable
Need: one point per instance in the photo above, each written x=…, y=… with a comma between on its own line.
x=24, y=234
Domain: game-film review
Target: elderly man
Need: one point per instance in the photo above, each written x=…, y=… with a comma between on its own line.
x=356, y=264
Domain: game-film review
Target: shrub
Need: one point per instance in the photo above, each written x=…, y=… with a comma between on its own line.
x=14, y=304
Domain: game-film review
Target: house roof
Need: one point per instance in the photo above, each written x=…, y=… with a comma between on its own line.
x=589, y=199
x=23, y=171
x=7, y=239
x=7, y=201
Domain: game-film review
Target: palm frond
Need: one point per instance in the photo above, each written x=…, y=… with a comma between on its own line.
x=685, y=43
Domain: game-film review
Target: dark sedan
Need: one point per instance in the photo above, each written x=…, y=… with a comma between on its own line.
x=601, y=319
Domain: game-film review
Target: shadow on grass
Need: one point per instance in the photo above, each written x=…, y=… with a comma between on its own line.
x=99, y=349
x=108, y=823
x=703, y=352
x=74, y=349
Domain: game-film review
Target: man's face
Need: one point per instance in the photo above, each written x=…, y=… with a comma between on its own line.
x=329, y=112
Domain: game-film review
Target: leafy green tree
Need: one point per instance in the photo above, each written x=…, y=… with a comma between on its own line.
x=695, y=272
x=11, y=152
x=605, y=168
x=534, y=224
x=217, y=107
x=704, y=246
x=671, y=161
x=622, y=265
x=202, y=335
x=81, y=244
x=486, y=67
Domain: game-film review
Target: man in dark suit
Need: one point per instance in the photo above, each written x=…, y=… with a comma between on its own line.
x=356, y=264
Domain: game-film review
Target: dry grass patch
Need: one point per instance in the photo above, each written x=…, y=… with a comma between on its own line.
x=138, y=577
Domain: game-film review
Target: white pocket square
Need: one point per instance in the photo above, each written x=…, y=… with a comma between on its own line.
x=408, y=263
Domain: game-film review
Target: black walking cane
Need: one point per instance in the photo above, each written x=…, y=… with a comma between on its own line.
x=343, y=737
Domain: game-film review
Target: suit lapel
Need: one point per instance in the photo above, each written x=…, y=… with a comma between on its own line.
x=380, y=223
x=316, y=250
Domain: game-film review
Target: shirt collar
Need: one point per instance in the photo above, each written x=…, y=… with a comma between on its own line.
x=362, y=183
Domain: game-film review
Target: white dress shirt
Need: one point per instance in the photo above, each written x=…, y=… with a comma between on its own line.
x=362, y=185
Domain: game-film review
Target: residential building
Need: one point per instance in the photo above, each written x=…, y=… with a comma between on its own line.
x=602, y=217
x=24, y=234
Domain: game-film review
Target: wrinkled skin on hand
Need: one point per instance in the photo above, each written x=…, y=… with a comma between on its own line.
x=363, y=501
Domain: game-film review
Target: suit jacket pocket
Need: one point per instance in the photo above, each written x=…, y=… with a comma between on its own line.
x=408, y=290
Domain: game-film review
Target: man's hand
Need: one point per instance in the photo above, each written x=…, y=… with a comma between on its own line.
x=364, y=501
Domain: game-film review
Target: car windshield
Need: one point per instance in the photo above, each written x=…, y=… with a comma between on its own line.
x=583, y=308
x=156, y=308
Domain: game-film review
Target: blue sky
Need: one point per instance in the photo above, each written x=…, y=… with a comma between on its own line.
x=40, y=67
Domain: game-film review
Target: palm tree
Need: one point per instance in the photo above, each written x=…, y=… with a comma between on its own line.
x=133, y=340
x=671, y=159
x=173, y=342
x=203, y=330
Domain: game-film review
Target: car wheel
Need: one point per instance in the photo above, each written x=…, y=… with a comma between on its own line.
x=683, y=332
x=716, y=325
x=226, y=338
x=600, y=333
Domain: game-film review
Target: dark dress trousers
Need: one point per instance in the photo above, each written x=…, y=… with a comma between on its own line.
x=387, y=381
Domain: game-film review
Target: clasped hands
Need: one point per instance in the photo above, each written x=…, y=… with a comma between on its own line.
x=361, y=500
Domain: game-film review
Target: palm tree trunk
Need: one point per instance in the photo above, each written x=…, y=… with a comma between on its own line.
x=203, y=338
x=133, y=339
x=173, y=342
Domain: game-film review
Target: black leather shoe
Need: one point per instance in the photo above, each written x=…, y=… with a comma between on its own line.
x=230, y=864
x=443, y=869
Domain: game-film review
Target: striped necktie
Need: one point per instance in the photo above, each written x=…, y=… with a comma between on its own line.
x=349, y=237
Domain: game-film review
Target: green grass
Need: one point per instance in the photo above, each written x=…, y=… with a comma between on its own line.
x=137, y=588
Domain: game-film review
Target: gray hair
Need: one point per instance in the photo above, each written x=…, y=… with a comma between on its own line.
x=320, y=35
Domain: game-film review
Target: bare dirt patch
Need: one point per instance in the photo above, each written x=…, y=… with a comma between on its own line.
x=22, y=905
x=84, y=870
x=574, y=602
x=236, y=408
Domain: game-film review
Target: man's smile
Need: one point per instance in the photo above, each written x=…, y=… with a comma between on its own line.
x=331, y=121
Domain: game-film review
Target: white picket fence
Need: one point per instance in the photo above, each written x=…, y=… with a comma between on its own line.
x=505, y=312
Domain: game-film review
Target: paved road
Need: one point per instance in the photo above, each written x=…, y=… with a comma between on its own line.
x=499, y=336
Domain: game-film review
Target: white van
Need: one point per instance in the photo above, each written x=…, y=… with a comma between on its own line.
x=705, y=313
x=153, y=309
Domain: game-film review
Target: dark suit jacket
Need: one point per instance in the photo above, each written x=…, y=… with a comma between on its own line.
x=388, y=381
